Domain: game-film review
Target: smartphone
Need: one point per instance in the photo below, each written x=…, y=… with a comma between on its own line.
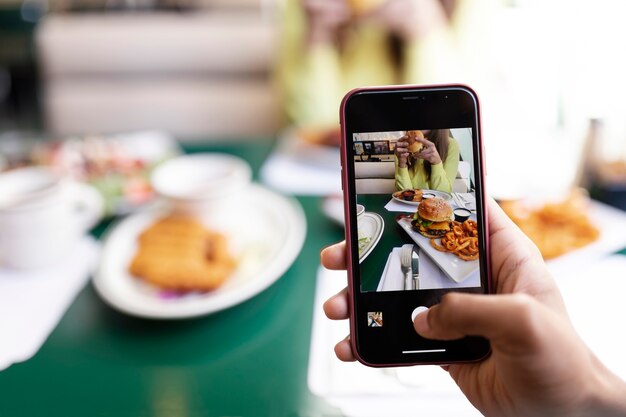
x=414, y=200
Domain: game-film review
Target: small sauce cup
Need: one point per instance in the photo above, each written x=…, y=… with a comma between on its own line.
x=408, y=195
x=461, y=214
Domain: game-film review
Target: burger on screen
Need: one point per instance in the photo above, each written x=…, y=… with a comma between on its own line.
x=414, y=145
x=433, y=217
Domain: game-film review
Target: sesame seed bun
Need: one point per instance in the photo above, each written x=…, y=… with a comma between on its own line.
x=435, y=210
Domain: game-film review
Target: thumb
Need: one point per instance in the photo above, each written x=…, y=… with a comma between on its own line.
x=511, y=320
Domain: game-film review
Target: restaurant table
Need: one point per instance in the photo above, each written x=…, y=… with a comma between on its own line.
x=392, y=237
x=248, y=360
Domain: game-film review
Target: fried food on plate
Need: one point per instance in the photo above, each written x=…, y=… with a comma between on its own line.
x=461, y=241
x=181, y=254
x=556, y=228
x=409, y=195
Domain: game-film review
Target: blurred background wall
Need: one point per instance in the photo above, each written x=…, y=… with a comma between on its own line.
x=195, y=68
x=202, y=69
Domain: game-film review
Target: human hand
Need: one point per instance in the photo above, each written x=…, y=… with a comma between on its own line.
x=325, y=18
x=538, y=366
x=402, y=151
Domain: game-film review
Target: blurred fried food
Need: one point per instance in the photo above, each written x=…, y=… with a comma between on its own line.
x=556, y=228
x=180, y=254
x=321, y=137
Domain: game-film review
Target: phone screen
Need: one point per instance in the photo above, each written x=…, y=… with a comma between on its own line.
x=413, y=165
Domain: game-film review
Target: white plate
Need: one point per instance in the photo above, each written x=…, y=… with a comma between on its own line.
x=265, y=237
x=454, y=267
x=370, y=225
x=440, y=194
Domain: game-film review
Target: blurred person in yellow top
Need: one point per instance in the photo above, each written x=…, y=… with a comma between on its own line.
x=426, y=159
x=331, y=46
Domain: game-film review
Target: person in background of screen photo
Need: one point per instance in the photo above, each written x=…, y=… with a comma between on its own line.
x=426, y=159
x=329, y=47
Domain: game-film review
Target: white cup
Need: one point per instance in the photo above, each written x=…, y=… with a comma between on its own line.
x=42, y=216
x=200, y=183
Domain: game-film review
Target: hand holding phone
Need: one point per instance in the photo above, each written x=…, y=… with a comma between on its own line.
x=424, y=160
x=528, y=326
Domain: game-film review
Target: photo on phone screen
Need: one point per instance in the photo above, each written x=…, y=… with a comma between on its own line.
x=419, y=229
x=413, y=185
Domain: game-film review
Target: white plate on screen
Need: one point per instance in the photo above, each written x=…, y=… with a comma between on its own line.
x=454, y=267
x=433, y=193
x=265, y=240
x=370, y=226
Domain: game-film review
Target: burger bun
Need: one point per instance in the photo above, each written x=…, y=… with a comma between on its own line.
x=435, y=210
x=433, y=217
x=415, y=147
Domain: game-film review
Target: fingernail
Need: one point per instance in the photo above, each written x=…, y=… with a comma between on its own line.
x=421, y=322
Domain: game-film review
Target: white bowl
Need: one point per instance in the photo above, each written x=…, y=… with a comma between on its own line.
x=194, y=184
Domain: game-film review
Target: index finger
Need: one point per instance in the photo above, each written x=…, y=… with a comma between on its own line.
x=334, y=256
x=423, y=141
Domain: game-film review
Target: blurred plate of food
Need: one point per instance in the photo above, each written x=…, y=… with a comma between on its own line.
x=316, y=147
x=569, y=231
x=414, y=197
x=118, y=166
x=327, y=137
x=155, y=265
x=300, y=165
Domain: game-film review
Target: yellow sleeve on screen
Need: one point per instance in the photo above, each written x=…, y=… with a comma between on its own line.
x=403, y=179
x=442, y=175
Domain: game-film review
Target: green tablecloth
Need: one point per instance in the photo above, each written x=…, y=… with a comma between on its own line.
x=249, y=360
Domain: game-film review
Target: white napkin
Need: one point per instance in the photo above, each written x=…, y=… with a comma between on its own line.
x=430, y=277
x=32, y=302
x=397, y=206
x=392, y=278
